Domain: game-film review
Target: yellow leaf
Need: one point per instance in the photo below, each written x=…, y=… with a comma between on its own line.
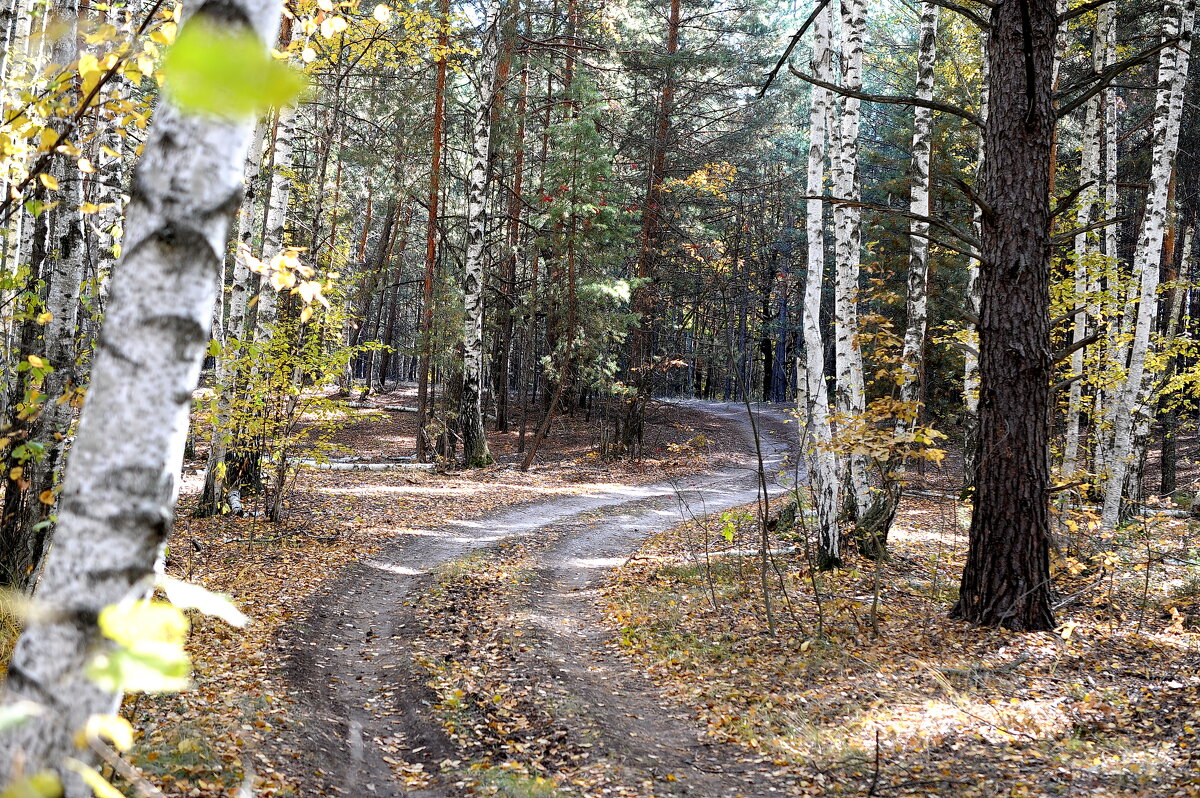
x=85, y=166
x=90, y=72
x=325, y=5
x=98, y=783
x=45, y=318
x=49, y=181
x=46, y=497
x=383, y=14
x=16, y=473
x=113, y=728
x=306, y=314
x=308, y=55
x=109, y=151
x=36, y=362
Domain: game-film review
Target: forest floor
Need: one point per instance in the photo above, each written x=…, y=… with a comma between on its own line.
x=591, y=629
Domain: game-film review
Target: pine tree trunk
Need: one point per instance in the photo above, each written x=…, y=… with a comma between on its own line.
x=1178, y=20
x=118, y=498
x=435, y=169
x=823, y=471
x=1006, y=580
x=475, y=447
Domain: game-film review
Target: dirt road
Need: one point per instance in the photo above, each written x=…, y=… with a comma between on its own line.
x=363, y=705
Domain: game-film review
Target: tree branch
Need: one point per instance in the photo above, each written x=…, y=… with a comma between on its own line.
x=1069, y=236
x=1103, y=78
x=979, y=21
x=1067, y=201
x=1072, y=348
x=934, y=105
x=792, y=46
x=1079, y=11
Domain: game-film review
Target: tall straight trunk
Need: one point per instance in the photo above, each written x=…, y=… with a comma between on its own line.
x=435, y=171
x=911, y=367
x=644, y=301
x=1169, y=417
x=45, y=421
x=823, y=468
x=971, y=354
x=1086, y=246
x=1006, y=580
x=1178, y=21
x=118, y=499
x=475, y=447
x=213, y=494
x=388, y=333
x=276, y=217
x=516, y=206
x=847, y=223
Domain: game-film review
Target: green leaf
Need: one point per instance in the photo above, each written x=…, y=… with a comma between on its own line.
x=16, y=714
x=149, y=669
x=188, y=596
x=40, y=785
x=217, y=73
x=214, y=348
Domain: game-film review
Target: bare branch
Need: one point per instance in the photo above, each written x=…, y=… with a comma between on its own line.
x=1106, y=76
x=1079, y=11
x=1072, y=348
x=1069, y=236
x=792, y=46
x=979, y=21
x=1067, y=201
x=934, y=105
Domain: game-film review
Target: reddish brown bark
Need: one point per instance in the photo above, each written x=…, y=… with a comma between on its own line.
x=435, y=168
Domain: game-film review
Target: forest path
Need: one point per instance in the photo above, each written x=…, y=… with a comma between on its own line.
x=364, y=722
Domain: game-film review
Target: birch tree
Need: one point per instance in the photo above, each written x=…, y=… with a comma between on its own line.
x=1086, y=245
x=919, y=205
x=118, y=498
x=823, y=470
x=1131, y=400
x=475, y=447
x=279, y=196
x=226, y=378
x=847, y=221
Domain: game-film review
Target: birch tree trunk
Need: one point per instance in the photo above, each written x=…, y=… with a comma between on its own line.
x=918, y=258
x=475, y=447
x=1178, y=21
x=118, y=500
x=847, y=222
x=823, y=470
x=974, y=300
x=276, y=218
x=213, y=495
x=1086, y=248
x=45, y=415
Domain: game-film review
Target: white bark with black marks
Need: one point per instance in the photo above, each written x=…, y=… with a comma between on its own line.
x=919, y=205
x=823, y=468
x=475, y=447
x=1178, y=21
x=118, y=499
